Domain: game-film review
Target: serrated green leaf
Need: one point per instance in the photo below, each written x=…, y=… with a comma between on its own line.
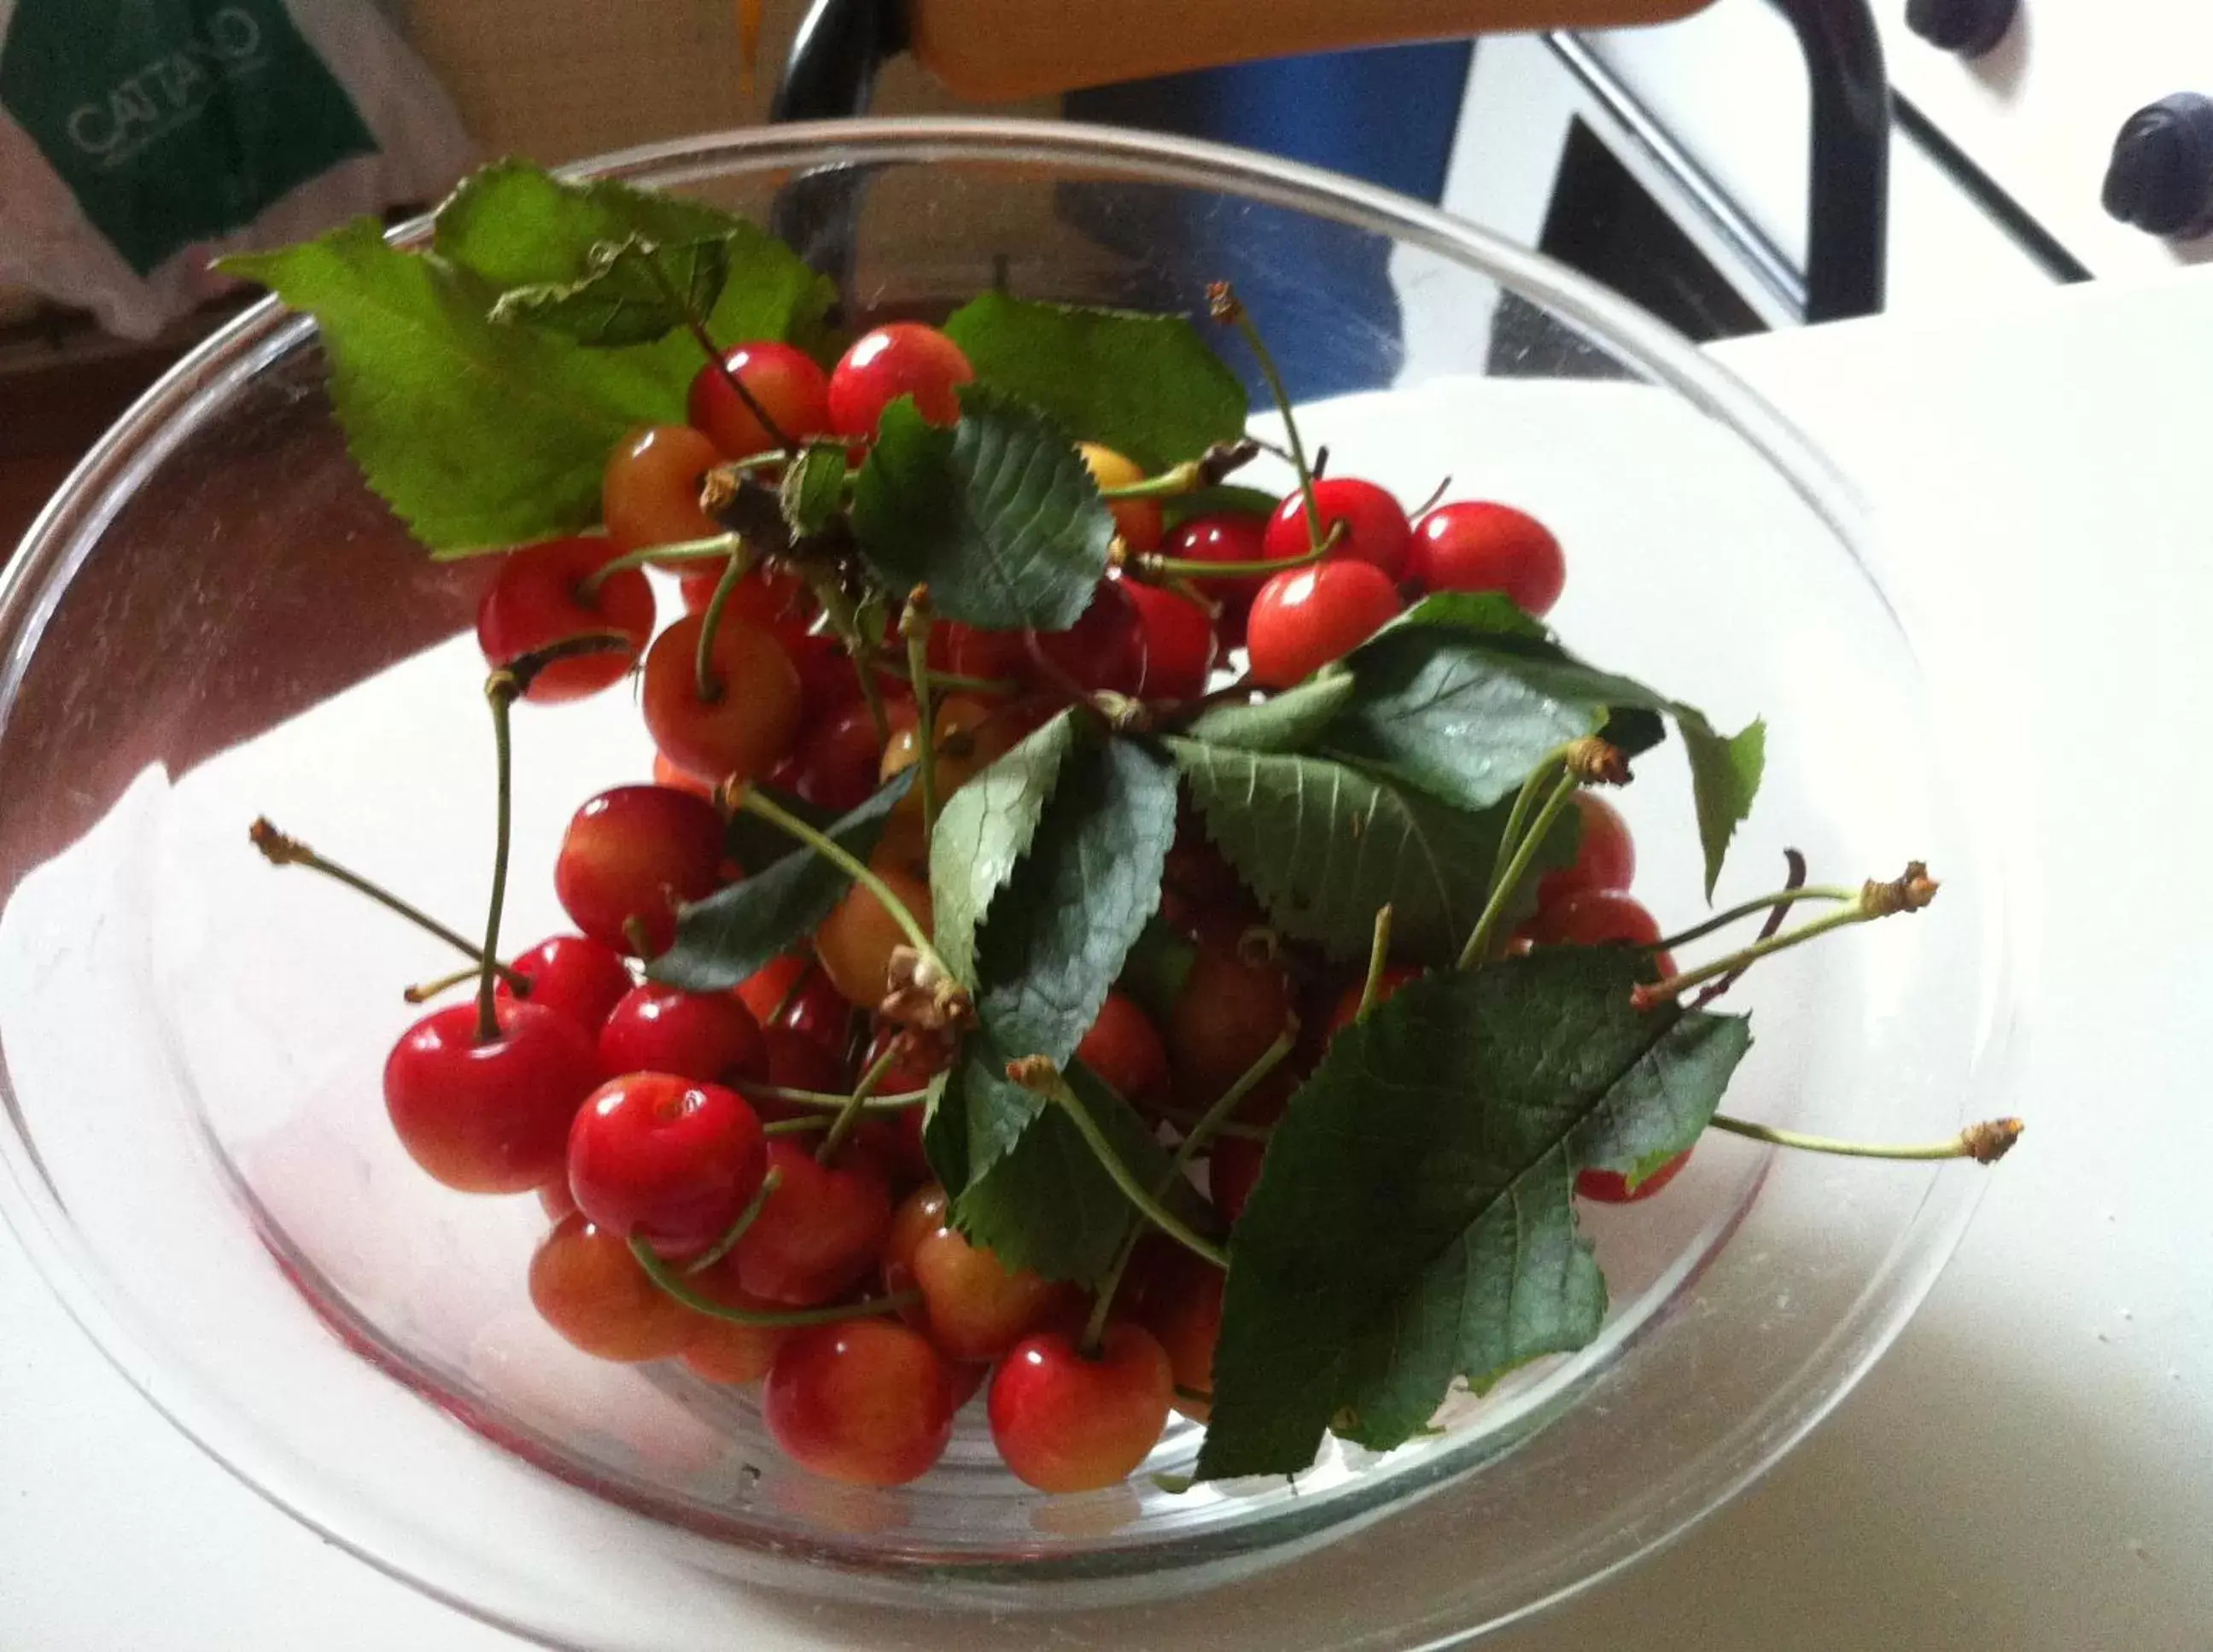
x=735, y=932
x=1415, y=1221
x=998, y=514
x=1153, y=974
x=1055, y=938
x=1725, y=775
x=1290, y=721
x=636, y=292
x=984, y=831
x=1324, y=844
x=1229, y=499
x=1146, y=386
x=814, y=487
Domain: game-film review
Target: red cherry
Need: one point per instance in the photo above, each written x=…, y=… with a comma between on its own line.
x=827, y=683
x=709, y=1037
x=537, y=600
x=1605, y=857
x=556, y=1200
x=663, y=1159
x=766, y=991
x=919, y=1214
x=1228, y=540
x=1471, y=545
x=1104, y=650
x=903, y=359
x=650, y=494
x=797, y=1062
x=1124, y=1048
x=819, y=1232
x=1347, y=1007
x=1179, y=1302
x=489, y=1116
x=783, y=380
x=638, y=852
x=833, y=764
x=817, y=1011
x=1232, y=1168
x=975, y=1307
x=992, y=655
x=780, y=603
x=1226, y=1015
x=1612, y=1187
x=665, y=773
x=1305, y=618
x=1375, y=528
x=865, y=1401
x=579, y=978
x=726, y=1351
x=1137, y=521
x=754, y=713
x=1066, y=1422
x=1175, y=641
x=587, y=1285
x=1596, y=918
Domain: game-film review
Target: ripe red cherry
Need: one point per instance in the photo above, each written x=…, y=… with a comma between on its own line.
x=587, y=1285
x=1224, y=1017
x=1175, y=641
x=865, y=1401
x=1304, y=617
x=797, y=1062
x=783, y=380
x=993, y=655
x=709, y=1037
x=1595, y=918
x=537, y=600
x=1375, y=528
x=817, y=1011
x=577, y=977
x=1473, y=546
x=827, y=683
x=753, y=717
x=665, y=773
x=1605, y=857
x=726, y=1351
x=1066, y=1422
x=556, y=1200
x=820, y=1231
x=1347, y=1007
x=489, y=1116
x=903, y=359
x=1137, y=521
x=1179, y=1302
x=768, y=989
x=1232, y=1168
x=650, y=494
x=635, y=853
x=1228, y=540
x=1612, y=1187
x=780, y=603
x=663, y=1159
x=1104, y=650
x=1124, y=1048
x=833, y=764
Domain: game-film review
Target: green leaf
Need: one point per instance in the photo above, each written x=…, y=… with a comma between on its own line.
x=754, y=844
x=1055, y=939
x=735, y=931
x=636, y=292
x=998, y=514
x=1146, y=386
x=1415, y=1222
x=1725, y=776
x=478, y=436
x=984, y=831
x=1288, y=722
x=1324, y=844
x=1153, y=974
x=1229, y=499
x=814, y=487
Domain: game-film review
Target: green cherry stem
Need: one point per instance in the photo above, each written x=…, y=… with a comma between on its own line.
x=1177, y=479
x=837, y=609
x=1518, y=817
x=278, y=850
x=1224, y=304
x=669, y=1280
x=710, y=621
x=1186, y=1120
x=1154, y=569
x=829, y=1100
x=736, y=1231
x=423, y=991
x=650, y=556
x=501, y=689
x=1524, y=855
x=1750, y=909
x=696, y=325
x=849, y=1114
x=805, y=1125
x=948, y=680
x=1379, y=956
x=914, y=630
x=1985, y=1143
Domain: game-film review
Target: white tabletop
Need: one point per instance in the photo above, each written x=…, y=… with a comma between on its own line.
x=2031, y=1468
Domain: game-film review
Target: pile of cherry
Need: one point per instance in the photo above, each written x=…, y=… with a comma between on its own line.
x=640, y=1113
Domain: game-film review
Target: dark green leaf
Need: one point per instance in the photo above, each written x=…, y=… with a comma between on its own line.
x=1724, y=778
x=1055, y=938
x=636, y=292
x=984, y=831
x=997, y=515
x=1229, y=499
x=1288, y=722
x=1146, y=386
x=813, y=488
x=752, y=842
x=735, y=932
x=478, y=436
x=1324, y=844
x=1154, y=973
x=1415, y=1221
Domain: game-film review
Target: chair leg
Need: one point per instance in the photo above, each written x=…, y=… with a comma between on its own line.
x=1848, y=206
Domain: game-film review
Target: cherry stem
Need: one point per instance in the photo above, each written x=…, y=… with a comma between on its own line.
x=810, y=1123
x=849, y=1114
x=830, y=1100
x=1178, y=478
x=914, y=628
x=707, y=550
x=1149, y=1207
x=669, y=1280
x=1154, y=569
x=1908, y=892
x=500, y=690
x=423, y=993
x=753, y=801
x=1224, y=304
x=1378, y=954
x=697, y=324
x=1780, y=899
x=278, y=850
x=1184, y=1120
x=710, y=621
x=952, y=679
x=1525, y=856
x=1985, y=1143
x=1196, y=1137
x=736, y=1231
x=837, y=609
x=1794, y=878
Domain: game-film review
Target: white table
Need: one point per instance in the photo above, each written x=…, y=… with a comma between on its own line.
x=2031, y=1468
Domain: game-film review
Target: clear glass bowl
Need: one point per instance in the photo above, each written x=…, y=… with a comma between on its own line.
x=215, y=617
